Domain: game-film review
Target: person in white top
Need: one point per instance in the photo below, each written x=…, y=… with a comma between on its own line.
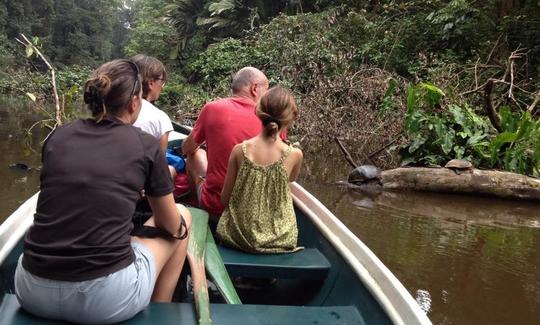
x=151, y=119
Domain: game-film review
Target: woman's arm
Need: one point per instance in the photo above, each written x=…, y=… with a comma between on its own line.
x=297, y=164
x=165, y=213
x=164, y=141
x=230, y=177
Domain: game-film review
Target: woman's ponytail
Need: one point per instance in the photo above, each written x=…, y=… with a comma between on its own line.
x=276, y=110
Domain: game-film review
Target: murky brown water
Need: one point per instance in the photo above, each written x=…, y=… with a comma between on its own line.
x=466, y=260
x=17, y=184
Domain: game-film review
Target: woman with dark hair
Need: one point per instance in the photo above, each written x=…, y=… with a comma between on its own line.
x=80, y=263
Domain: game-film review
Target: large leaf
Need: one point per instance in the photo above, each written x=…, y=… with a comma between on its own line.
x=416, y=143
x=476, y=138
x=217, y=8
x=433, y=93
x=495, y=145
x=525, y=126
x=388, y=102
x=503, y=138
x=412, y=99
x=509, y=122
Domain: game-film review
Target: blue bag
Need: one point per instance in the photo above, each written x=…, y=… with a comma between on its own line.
x=176, y=161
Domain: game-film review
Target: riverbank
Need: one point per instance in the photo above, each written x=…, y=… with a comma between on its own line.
x=401, y=99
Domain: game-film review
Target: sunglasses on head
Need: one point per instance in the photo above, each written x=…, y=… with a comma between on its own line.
x=136, y=70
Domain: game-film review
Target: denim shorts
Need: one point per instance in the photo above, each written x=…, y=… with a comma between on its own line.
x=110, y=299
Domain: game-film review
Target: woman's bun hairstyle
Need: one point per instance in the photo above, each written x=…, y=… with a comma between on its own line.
x=96, y=90
x=111, y=87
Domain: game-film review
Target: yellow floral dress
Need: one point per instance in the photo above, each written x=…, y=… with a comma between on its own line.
x=260, y=216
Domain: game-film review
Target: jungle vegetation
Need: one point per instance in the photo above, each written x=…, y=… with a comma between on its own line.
x=400, y=82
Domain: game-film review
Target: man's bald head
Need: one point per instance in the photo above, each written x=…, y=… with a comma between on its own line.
x=249, y=80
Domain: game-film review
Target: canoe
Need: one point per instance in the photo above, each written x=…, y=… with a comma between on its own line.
x=336, y=279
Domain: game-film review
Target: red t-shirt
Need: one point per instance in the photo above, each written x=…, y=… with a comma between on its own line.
x=223, y=124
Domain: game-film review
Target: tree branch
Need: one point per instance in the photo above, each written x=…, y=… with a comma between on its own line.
x=492, y=114
x=346, y=153
x=27, y=43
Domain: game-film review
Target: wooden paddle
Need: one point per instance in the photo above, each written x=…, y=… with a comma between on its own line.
x=196, y=252
x=217, y=272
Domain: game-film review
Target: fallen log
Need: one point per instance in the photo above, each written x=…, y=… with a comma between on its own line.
x=482, y=182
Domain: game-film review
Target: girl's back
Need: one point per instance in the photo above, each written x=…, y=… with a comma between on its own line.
x=263, y=153
x=260, y=215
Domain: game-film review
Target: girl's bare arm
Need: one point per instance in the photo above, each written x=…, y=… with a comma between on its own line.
x=230, y=178
x=297, y=164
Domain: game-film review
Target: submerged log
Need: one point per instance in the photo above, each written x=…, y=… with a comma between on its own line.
x=483, y=182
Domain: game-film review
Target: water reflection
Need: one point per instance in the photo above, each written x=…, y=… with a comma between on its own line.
x=18, y=184
x=451, y=210
x=465, y=260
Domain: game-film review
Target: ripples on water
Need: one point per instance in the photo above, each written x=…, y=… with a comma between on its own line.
x=466, y=260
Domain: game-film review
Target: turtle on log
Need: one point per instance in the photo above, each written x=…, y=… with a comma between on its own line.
x=365, y=175
x=460, y=166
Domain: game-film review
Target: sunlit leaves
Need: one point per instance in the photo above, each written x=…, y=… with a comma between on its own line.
x=31, y=96
x=29, y=51
x=440, y=132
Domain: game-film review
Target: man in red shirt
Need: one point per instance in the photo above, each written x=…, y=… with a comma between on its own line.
x=221, y=125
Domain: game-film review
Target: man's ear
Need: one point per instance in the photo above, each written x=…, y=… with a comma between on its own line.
x=253, y=89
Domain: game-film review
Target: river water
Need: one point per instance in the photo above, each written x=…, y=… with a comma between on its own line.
x=466, y=260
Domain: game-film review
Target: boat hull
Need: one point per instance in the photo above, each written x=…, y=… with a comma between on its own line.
x=335, y=280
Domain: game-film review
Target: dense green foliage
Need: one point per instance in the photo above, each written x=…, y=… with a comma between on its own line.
x=439, y=135
x=362, y=70
x=72, y=32
x=457, y=131
x=150, y=33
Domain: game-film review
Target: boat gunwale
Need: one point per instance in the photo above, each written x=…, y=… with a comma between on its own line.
x=15, y=226
x=379, y=280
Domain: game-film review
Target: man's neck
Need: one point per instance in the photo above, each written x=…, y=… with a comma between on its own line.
x=244, y=95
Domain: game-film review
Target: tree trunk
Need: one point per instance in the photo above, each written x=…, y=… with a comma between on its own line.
x=507, y=6
x=483, y=182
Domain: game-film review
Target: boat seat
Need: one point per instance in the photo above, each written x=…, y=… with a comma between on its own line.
x=222, y=314
x=308, y=263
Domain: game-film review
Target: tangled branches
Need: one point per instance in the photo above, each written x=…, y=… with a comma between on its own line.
x=509, y=79
x=348, y=107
